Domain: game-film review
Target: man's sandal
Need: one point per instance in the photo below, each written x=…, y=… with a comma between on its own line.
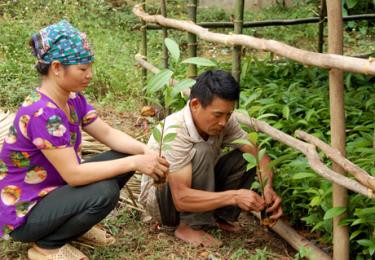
x=97, y=237
x=67, y=252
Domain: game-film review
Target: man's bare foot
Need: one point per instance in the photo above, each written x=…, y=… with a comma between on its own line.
x=229, y=226
x=196, y=237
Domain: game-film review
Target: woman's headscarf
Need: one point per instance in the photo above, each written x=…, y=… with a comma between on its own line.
x=62, y=42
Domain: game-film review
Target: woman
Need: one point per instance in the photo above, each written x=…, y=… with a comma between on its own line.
x=47, y=196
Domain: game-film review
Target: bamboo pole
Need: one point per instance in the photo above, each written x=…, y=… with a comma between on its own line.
x=215, y=25
x=192, y=38
x=163, y=6
x=305, y=148
x=337, y=122
x=322, y=14
x=344, y=63
x=236, y=52
x=296, y=240
x=143, y=46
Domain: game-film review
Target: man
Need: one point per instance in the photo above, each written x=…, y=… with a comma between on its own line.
x=204, y=188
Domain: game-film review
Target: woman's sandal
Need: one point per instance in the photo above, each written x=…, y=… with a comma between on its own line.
x=67, y=252
x=97, y=237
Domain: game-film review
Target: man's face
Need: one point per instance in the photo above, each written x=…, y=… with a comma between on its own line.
x=212, y=119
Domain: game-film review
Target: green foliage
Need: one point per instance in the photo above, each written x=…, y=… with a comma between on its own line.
x=108, y=29
x=267, y=89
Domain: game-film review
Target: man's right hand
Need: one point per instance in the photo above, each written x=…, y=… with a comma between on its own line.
x=151, y=165
x=249, y=200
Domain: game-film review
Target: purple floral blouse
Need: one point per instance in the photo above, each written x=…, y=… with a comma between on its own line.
x=26, y=176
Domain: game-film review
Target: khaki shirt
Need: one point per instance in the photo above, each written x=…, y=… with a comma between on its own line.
x=182, y=151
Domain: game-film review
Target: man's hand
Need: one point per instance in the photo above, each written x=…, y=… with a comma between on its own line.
x=249, y=200
x=274, y=203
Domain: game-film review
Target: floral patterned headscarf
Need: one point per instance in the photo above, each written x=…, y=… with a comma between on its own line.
x=62, y=42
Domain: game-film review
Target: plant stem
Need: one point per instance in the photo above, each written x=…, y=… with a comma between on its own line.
x=162, y=137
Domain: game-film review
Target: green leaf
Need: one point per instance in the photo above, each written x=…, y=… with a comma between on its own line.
x=173, y=48
x=166, y=147
x=253, y=137
x=159, y=80
x=315, y=201
x=286, y=112
x=173, y=126
x=355, y=233
x=351, y=3
x=366, y=242
x=242, y=111
x=182, y=85
x=251, y=161
x=266, y=116
x=156, y=134
x=303, y=175
x=334, y=212
x=242, y=141
x=199, y=61
x=169, y=137
x=261, y=153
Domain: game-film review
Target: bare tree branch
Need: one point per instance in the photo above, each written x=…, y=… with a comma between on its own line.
x=341, y=62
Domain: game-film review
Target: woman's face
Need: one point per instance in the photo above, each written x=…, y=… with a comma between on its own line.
x=75, y=78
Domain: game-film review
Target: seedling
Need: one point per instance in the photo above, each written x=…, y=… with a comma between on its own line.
x=254, y=162
x=160, y=82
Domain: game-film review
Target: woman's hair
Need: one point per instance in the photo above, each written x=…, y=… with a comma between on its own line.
x=41, y=67
x=215, y=83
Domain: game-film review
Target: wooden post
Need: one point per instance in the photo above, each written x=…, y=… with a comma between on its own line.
x=192, y=38
x=236, y=51
x=143, y=46
x=337, y=111
x=322, y=14
x=163, y=7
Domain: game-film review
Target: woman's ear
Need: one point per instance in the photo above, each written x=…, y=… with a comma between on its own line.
x=56, y=68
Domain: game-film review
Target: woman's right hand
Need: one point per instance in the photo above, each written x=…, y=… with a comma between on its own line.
x=152, y=165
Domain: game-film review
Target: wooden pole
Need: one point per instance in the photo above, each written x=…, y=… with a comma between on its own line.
x=163, y=6
x=143, y=46
x=321, y=60
x=215, y=25
x=236, y=52
x=322, y=18
x=337, y=122
x=192, y=38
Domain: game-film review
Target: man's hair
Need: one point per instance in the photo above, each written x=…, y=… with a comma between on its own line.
x=215, y=83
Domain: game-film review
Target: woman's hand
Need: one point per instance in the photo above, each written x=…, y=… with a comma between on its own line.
x=151, y=164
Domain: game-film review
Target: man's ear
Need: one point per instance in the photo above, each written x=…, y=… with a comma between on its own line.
x=195, y=104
